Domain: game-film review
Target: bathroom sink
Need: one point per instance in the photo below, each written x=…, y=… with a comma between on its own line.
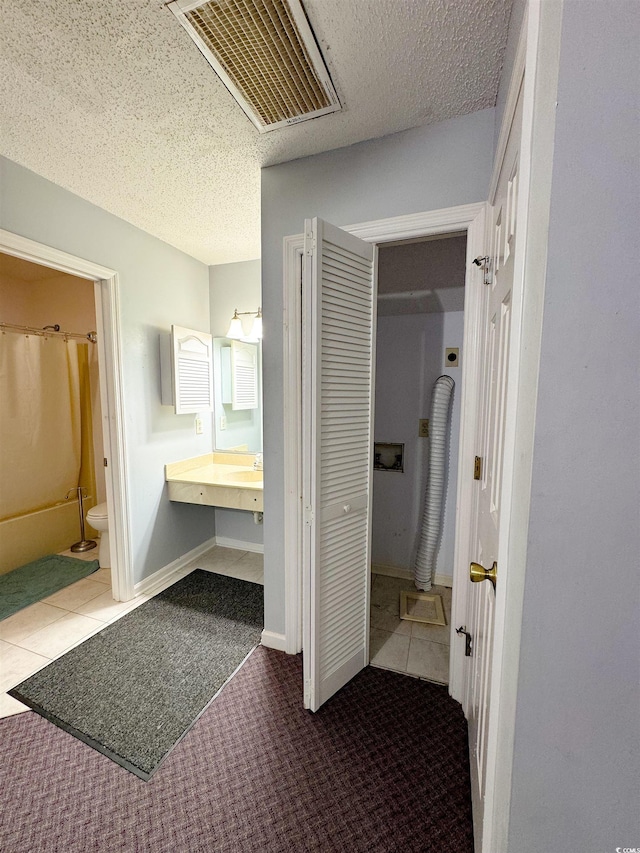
x=249, y=476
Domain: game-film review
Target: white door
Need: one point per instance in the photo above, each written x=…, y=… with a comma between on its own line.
x=481, y=615
x=338, y=323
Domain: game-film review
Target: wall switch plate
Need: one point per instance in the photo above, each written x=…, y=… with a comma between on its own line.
x=223, y=422
x=423, y=429
x=451, y=356
x=199, y=428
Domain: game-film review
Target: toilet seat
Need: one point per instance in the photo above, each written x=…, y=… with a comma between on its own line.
x=98, y=518
x=98, y=512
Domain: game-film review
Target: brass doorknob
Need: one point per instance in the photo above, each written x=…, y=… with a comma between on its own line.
x=478, y=573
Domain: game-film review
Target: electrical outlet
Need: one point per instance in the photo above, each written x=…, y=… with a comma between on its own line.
x=423, y=429
x=451, y=356
x=199, y=427
x=223, y=422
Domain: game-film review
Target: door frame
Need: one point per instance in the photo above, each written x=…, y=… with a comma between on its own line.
x=469, y=218
x=107, y=301
x=538, y=54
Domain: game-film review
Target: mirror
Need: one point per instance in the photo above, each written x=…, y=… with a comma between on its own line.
x=237, y=391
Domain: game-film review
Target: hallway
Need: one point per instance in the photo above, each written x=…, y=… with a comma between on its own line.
x=382, y=767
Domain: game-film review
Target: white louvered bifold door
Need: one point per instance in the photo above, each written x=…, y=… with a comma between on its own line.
x=338, y=361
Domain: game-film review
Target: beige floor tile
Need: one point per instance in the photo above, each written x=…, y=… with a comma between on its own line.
x=383, y=585
x=85, y=555
x=62, y=635
x=75, y=594
x=382, y=619
x=429, y=660
x=389, y=650
x=102, y=576
x=446, y=593
x=25, y=622
x=217, y=559
x=10, y=706
x=433, y=633
x=104, y=608
x=385, y=593
x=17, y=663
x=250, y=567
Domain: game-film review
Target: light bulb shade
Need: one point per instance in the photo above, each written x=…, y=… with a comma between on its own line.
x=235, y=328
x=256, y=328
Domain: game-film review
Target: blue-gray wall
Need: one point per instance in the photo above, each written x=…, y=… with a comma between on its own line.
x=423, y=169
x=159, y=285
x=576, y=773
x=235, y=286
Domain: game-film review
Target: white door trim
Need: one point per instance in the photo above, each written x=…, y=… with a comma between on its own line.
x=424, y=224
x=293, y=509
x=111, y=392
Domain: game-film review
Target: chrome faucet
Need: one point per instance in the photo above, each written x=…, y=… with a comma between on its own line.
x=257, y=462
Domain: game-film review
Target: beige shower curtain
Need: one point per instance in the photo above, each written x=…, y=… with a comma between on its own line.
x=40, y=422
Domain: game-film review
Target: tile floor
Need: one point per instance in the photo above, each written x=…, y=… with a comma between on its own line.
x=412, y=647
x=38, y=634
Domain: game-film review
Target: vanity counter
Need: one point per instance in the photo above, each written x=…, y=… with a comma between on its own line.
x=216, y=479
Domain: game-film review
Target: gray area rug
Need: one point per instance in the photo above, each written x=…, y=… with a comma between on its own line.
x=133, y=690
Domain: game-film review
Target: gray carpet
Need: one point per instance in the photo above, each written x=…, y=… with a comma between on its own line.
x=381, y=768
x=134, y=689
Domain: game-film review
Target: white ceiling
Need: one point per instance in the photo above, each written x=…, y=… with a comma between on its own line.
x=112, y=100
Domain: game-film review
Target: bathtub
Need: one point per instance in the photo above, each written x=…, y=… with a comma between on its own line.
x=45, y=531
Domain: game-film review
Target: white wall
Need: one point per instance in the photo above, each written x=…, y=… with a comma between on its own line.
x=575, y=772
x=159, y=285
x=235, y=286
x=409, y=359
x=422, y=169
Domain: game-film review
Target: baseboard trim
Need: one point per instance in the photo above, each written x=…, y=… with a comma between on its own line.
x=405, y=574
x=171, y=572
x=225, y=542
x=274, y=641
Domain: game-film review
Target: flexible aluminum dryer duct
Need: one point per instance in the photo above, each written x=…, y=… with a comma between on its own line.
x=439, y=428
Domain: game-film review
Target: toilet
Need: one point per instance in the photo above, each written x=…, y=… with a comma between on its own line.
x=98, y=518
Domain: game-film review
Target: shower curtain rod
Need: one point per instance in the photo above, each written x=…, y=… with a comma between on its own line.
x=50, y=330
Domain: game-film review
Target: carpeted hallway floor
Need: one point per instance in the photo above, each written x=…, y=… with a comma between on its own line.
x=382, y=767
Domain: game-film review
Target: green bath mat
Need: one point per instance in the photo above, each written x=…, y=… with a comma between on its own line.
x=37, y=580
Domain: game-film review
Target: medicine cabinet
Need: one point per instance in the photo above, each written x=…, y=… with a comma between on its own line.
x=186, y=366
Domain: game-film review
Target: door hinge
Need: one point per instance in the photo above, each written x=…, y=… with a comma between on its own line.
x=308, y=515
x=477, y=468
x=105, y=463
x=468, y=640
x=309, y=244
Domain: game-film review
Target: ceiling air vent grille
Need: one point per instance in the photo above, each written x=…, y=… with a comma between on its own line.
x=265, y=53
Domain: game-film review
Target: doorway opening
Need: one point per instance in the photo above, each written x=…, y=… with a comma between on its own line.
x=52, y=449
x=419, y=336
x=466, y=220
x=105, y=287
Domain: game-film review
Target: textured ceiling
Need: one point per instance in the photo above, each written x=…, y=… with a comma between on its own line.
x=112, y=100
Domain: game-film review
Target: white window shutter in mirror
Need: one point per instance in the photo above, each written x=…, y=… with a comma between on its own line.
x=244, y=375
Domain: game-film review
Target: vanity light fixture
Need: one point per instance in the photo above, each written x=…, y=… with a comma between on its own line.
x=235, y=326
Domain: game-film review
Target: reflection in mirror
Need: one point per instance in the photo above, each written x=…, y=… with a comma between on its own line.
x=237, y=388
